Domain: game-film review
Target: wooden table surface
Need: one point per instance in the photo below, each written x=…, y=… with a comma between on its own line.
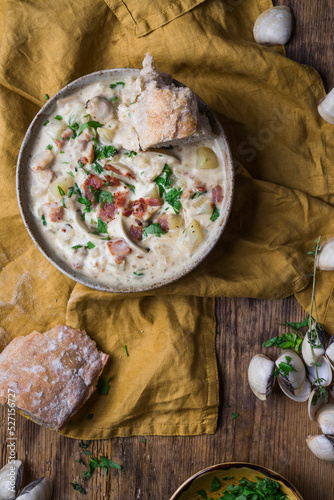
x=270, y=434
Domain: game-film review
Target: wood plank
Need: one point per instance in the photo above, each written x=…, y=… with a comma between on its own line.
x=270, y=433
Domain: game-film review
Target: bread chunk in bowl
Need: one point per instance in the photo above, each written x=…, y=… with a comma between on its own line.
x=51, y=375
x=160, y=113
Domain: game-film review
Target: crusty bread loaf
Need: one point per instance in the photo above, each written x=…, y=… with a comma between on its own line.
x=52, y=374
x=160, y=113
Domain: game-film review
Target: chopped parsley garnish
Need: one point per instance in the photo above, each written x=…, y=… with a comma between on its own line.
x=125, y=347
x=106, y=196
x=131, y=187
x=84, y=444
x=90, y=245
x=49, y=146
x=58, y=117
x=46, y=97
x=215, y=485
x=113, y=85
x=196, y=195
x=262, y=489
x=102, y=386
x=61, y=191
x=153, y=229
x=202, y=494
x=112, y=99
x=74, y=127
x=102, y=226
x=235, y=415
x=164, y=179
x=130, y=154
x=84, y=201
x=76, y=247
x=79, y=488
x=43, y=220
x=215, y=214
x=102, y=462
x=63, y=202
x=102, y=152
x=71, y=174
x=173, y=198
x=143, y=440
x=97, y=167
x=138, y=274
x=45, y=123
x=92, y=124
x=285, y=368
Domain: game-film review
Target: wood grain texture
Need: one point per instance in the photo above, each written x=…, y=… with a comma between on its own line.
x=269, y=433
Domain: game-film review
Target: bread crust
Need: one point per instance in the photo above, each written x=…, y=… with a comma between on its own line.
x=162, y=114
x=52, y=374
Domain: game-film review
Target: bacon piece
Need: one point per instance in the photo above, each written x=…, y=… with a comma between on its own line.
x=201, y=189
x=136, y=233
x=163, y=221
x=63, y=139
x=120, y=198
x=140, y=209
x=153, y=202
x=217, y=194
x=107, y=211
x=112, y=169
x=127, y=212
x=56, y=214
x=119, y=248
x=94, y=182
x=128, y=174
x=113, y=181
x=83, y=160
x=186, y=194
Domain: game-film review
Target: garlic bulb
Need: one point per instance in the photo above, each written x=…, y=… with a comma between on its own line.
x=273, y=26
x=10, y=480
x=326, y=107
x=40, y=489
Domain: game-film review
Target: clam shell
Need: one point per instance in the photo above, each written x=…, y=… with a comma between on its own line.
x=313, y=408
x=274, y=26
x=294, y=381
x=307, y=350
x=322, y=446
x=41, y=489
x=325, y=419
x=324, y=372
x=302, y=396
x=261, y=376
x=330, y=352
x=325, y=259
x=10, y=480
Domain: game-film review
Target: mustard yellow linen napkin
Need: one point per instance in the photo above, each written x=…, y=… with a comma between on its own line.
x=283, y=197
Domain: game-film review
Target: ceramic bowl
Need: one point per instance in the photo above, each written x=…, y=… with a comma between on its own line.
x=33, y=227
x=232, y=472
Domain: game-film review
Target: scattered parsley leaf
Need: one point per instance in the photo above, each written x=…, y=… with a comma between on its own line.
x=215, y=214
x=164, y=180
x=112, y=99
x=46, y=97
x=143, y=440
x=173, y=198
x=87, y=452
x=131, y=187
x=215, y=485
x=49, y=147
x=102, y=226
x=235, y=415
x=79, y=488
x=61, y=191
x=102, y=152
x=113, y=85
x=58, y=117
x=43, y=220
x=153, y=229
x=63, y=202
x=102, y=386
x=196, y=194
x=76, y=247
x=138, y=274
x=90, y=245
x=71, y=174
x=84, y=444
x=45, y=123
x=97, y=167
x=92, y=124
x=130, y=154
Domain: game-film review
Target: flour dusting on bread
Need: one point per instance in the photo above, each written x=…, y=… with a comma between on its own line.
x=53, y=374
x=160, y=114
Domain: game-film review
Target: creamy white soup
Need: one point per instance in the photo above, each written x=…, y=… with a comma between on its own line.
x=117, y=216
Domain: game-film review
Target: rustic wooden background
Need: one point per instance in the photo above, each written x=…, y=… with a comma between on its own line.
x=271, y=433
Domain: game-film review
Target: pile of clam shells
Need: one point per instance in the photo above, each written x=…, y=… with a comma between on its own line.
x=10, y=483
x=297, y=385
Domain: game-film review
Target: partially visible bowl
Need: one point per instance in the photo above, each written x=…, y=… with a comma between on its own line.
x=234, y=471
x=34, y=228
